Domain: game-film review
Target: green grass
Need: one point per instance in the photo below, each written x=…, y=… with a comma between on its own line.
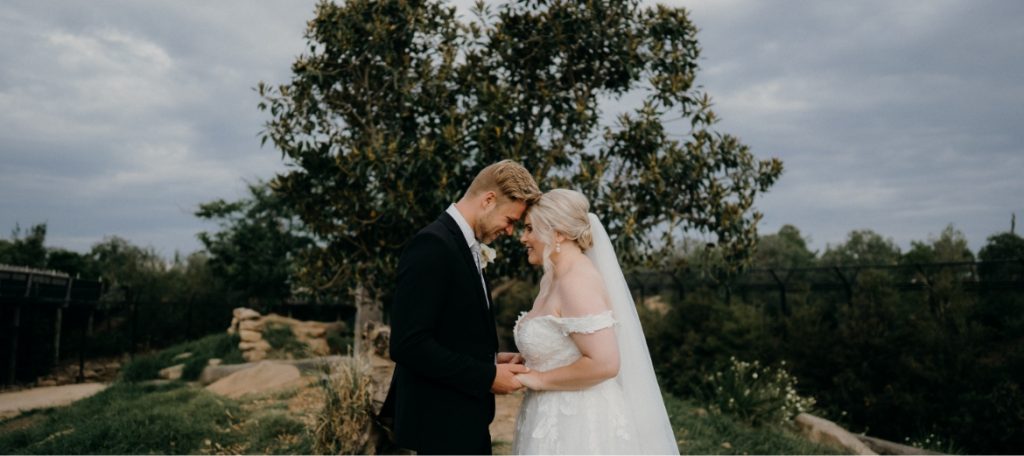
x=129, y=419
x=147, y=367
x=177, y=418
x=699, y=432
x=274, y=432
x=173, y=418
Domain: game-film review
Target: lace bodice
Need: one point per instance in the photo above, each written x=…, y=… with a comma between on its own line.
x=543, y=340
x=587, y=421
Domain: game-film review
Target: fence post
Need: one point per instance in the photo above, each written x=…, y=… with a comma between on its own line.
x=189, y=331
x=12, y=362
x=932, y=304
x=59, y=324
x=15, y=329
x=133, y=302
x=83, y=346
x=782, y=292
x=846, y=286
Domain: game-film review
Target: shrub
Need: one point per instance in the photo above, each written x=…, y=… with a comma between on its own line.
x=345, y=423
x=757, y=394
x=339, y=342
x=220, y=345
x=700, y=332
x=283, y=342
x=699, y=432
x=146, y=367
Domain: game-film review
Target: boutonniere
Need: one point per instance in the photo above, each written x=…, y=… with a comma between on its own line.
x=487, y=255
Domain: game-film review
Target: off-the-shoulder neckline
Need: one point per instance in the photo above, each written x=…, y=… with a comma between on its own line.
x=523, y=314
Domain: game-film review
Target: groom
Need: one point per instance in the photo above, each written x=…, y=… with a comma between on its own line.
x=443, y=338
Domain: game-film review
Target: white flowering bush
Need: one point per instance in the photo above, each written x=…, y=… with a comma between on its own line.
x=931, y=442
x=755, y=393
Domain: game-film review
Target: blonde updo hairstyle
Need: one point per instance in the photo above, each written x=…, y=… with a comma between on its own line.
x=561, y=211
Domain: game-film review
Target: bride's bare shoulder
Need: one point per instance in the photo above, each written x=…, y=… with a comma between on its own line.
x=582, y=292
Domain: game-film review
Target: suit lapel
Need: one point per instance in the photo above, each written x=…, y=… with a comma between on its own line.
x=467, y=255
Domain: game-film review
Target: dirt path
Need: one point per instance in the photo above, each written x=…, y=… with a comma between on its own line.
x=12, y=404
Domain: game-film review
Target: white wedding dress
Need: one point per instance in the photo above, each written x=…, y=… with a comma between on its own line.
x=588, y=421
x=621, y=415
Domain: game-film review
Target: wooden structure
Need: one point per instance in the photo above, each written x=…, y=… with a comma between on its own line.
x=38, y=292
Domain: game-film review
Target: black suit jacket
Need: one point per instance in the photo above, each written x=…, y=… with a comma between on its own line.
x=443, y=341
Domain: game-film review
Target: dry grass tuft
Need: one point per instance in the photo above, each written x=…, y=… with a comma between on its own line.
x=345, y=423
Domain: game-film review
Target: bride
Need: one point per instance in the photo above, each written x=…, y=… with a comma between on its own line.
x=591, y=385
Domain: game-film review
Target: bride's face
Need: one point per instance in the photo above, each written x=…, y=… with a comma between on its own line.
x=534, y=245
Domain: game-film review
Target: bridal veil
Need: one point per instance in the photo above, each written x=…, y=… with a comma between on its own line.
x=636, y=372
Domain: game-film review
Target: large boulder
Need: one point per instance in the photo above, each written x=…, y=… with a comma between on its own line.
x=886, y=447
x=825, y=432
x=172, y=373
x=257, y=345
x=242, y=314
x=250, y=336
x=262, y=377
x=250, y=325
x=254, y=355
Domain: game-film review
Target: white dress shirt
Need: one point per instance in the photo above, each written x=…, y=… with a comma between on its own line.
x=472, y=242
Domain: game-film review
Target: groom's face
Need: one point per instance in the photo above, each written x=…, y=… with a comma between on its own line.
x=499, y=220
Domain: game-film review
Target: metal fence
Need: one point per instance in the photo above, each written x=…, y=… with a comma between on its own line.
x=33, y=295
x=842, y=282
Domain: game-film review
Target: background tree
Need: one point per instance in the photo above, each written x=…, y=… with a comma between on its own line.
x=1002, y=246
x=253, y=252
x=862, y=248
x=786, y=249
x=27, y=250
x=949, y=246
x=397, y=105
x=125, y=266
x=74, y=263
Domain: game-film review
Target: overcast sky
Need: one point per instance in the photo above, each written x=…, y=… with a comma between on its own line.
x=120, y=118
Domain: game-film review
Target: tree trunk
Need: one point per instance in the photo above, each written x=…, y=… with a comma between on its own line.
x=368, y=308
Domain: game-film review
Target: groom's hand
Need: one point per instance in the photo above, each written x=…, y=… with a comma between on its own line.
x=510, y=358
x=505, y=378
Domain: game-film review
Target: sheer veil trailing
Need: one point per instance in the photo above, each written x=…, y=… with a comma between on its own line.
x=636, y=373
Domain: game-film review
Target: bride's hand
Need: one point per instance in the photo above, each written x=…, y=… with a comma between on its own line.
x=510, y=358
x=532, y=380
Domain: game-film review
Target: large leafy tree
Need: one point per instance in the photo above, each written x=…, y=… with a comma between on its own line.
x=397, y=104
x=258, y=241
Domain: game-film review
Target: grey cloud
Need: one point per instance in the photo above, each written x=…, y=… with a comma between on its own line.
x=121, y=117
x=895, y=116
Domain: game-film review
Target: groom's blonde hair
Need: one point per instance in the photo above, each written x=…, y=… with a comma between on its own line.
x=510, y=180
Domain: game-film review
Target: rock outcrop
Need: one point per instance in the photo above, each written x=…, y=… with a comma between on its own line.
x=825, y=432
x=250, y=327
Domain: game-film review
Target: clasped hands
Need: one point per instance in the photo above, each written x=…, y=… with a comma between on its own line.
x=512, y=375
